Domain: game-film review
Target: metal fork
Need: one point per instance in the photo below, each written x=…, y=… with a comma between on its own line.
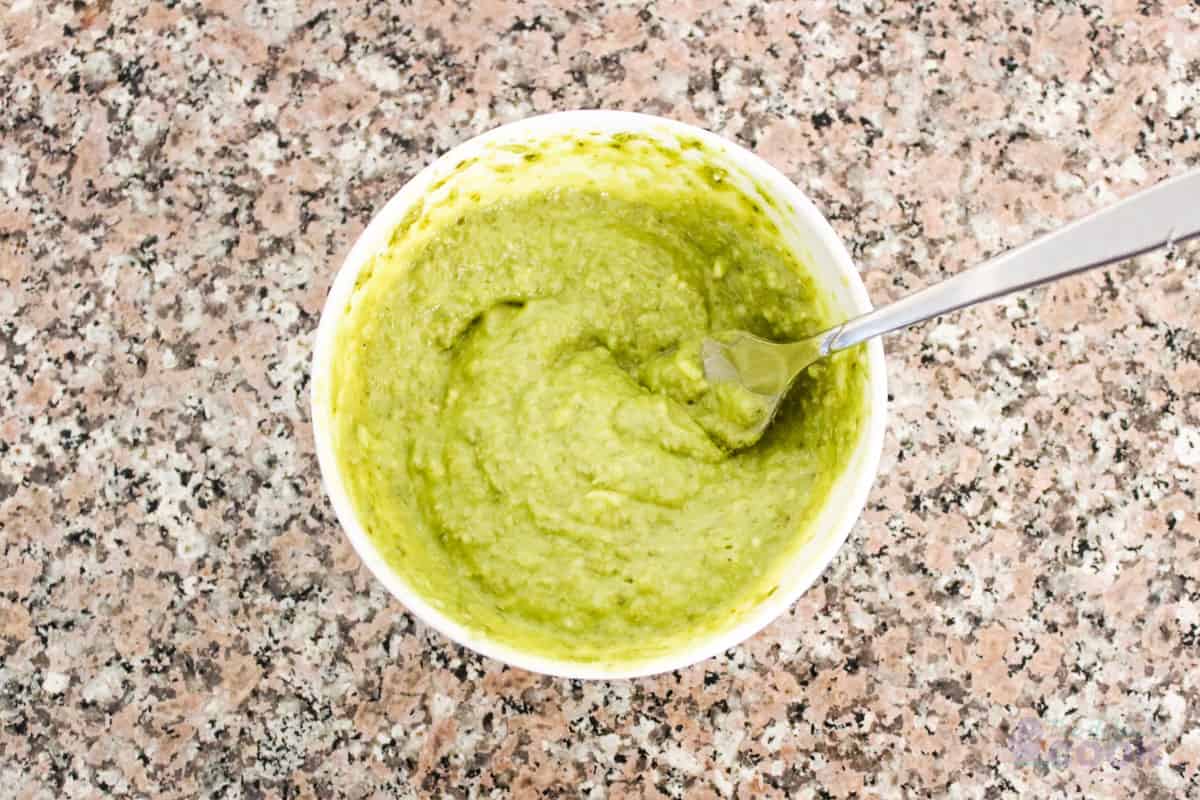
x=1160, y=216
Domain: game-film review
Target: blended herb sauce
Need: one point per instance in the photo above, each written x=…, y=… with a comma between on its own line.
x=514, y=431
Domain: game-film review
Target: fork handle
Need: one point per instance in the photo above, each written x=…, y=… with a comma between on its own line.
x=1162, y=215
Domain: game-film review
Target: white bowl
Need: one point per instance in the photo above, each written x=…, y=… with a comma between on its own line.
x=816, y=245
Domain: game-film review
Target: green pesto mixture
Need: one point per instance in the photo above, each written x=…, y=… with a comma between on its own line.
x=525, y=433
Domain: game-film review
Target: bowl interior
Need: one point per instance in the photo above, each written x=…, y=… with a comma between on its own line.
x=803, y=228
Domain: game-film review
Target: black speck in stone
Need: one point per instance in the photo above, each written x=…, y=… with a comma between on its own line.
x=316, y=20
x=822, y=120
x=130, y=76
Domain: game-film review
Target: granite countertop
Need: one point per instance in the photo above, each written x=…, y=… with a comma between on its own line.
x=180, y=614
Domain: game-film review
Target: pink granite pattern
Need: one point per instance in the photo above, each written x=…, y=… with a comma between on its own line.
x=179, y=613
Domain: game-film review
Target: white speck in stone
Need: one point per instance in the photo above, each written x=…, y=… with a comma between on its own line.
x=264, y=112
x=608, y=744
x=1066, y=477
x=970, y=415
x=1187, y=446
x=55, y=683
x=124, y=167
x=1167, y=777
x=144, y=129
x=1013, y=309
x=1048, y=381
x=240, y=90
x=1190, y=741
x=1187, y=614
x=98, y=334
x=13, y=170
x=620, y=698
x=1017, y=359
x=288, y=313
x=163, y=270
x=263, y=152
x=859, y=617
x=349, y=151
x=1066, y=183
x=773, y=735
x=985, y=229
x=1132, y=169
x=482, y=114
x=821, y=647
x=1076, y=344
x=680, y=759
x=1100, y=193
x=1001, y=515
x=957, y=790
x=97, y=67
x=886, y=249
x=946, y=335
x=441, y=706
x=726, y=743
x=376, y=70
x=642, y=728
x=191, y=545
x=105, y=687
x=1176, y=99
x=671, y=83
x=272, y=22
x=1174, y=709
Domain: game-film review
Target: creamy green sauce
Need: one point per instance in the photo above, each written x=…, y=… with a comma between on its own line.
x=520, y=440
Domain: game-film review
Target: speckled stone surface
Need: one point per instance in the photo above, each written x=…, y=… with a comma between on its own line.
x=179, y=612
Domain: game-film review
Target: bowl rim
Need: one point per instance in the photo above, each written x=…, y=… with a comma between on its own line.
x=376, y=235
